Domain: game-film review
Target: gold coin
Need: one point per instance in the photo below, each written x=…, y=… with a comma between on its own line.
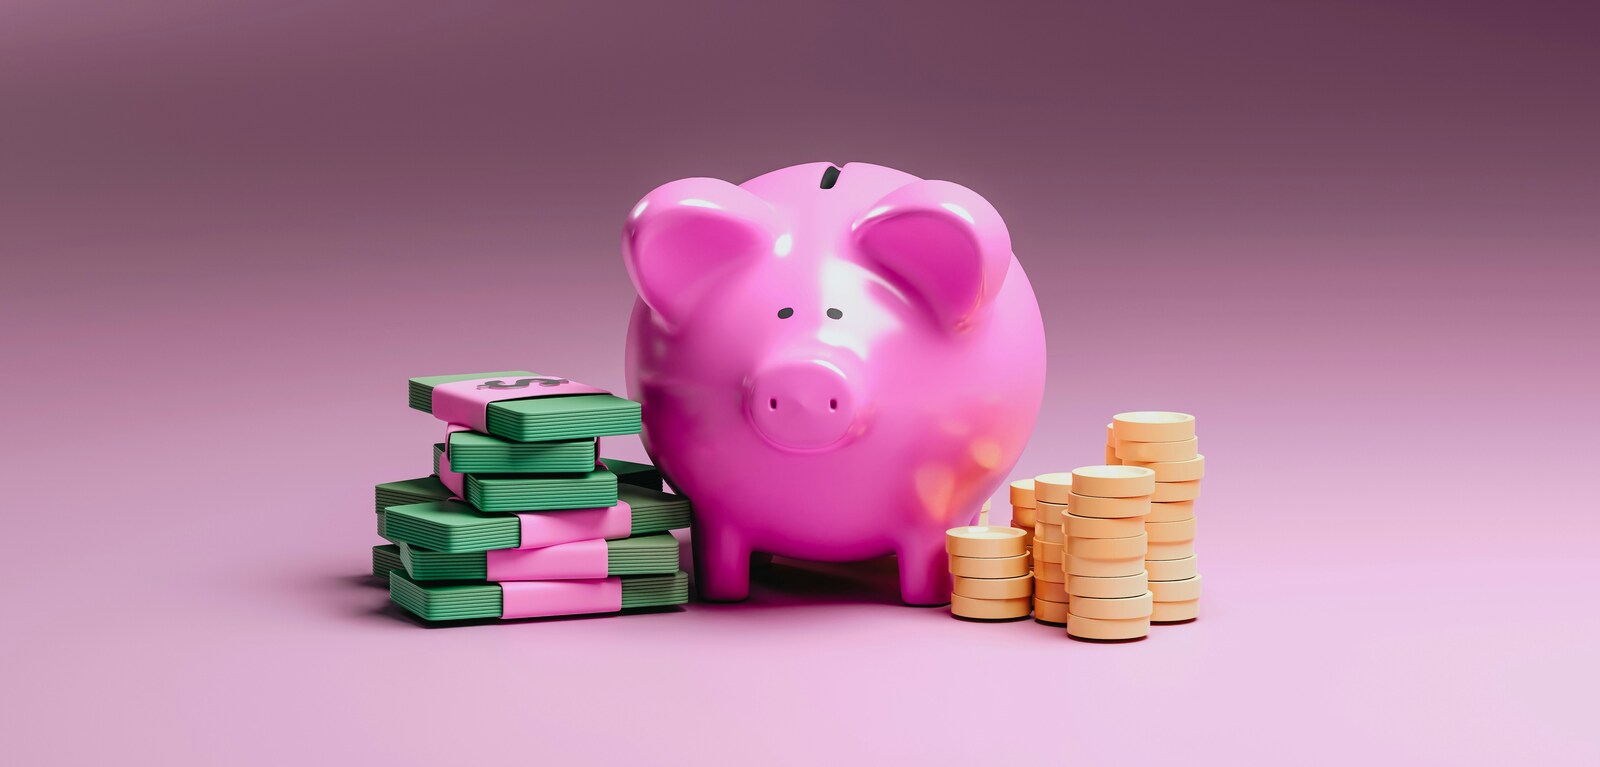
x=1175, y=612
x=1050, y=591
x=1170, y=532
x=1167, y=492
x=1102, y=568
x=1107, y=588
x=1023, y=516
x=1046, y=611
x=1112, y=482
x=1094, y=628
x=984, y=541
x=1022, y=493
x=990, y=609
x=1171, y=569
x=1096, y=527
x=1052, y=488
x=1152, y=426
x=1048, y=533
x=1050, y=513
x=993, y=588
x=1170, y=511
x=989, y=567
x=1121, y=609
x=1045, y=551
x=1109, y=508
x=1111, y=456
x=1108, y=548
x=1049, y=571
x=1175, y=471
x=1158, y=452
x=1165, y=551
x=1176, y=591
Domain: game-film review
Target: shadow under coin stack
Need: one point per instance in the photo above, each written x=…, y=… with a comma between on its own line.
x=1022, y=511
x=1105, y=559
x=1166, y=444
x=988, y=573
x=521, y=518
x=1050, y=492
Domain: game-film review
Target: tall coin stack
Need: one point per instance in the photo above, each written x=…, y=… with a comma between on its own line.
x=1166, y=444
x=1106, y=546
x=988, y=573
x=1050, y=493
x=1023, y=515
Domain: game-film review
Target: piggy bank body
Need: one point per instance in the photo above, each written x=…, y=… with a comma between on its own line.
x=834, y=364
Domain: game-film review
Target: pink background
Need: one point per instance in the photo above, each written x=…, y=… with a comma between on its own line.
x=1357, y=239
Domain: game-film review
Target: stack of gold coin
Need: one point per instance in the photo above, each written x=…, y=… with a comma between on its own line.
x=1022, y=513
x=1106, y=544
x=1111, y=447
x=1170, y=560
x=1050, y=492
x=988, y=573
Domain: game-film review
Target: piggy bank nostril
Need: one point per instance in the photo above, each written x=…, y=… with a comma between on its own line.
x=833, y=404
x=772, y=404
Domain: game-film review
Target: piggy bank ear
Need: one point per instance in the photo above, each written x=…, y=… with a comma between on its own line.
x=942, y=243
x=687, y=235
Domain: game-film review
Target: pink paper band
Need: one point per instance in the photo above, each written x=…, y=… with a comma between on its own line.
x=467, y=402
x=452, y=481
x=553, y=528
x=540, y=599
x=562, y=562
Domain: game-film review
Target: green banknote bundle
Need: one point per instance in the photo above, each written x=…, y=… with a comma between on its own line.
x=386, y=558
x=471, y=452
x=540, y=419
x=645, y=555
x=468, y=601
x=407, y=492
x=587, y=489
x=455, y=527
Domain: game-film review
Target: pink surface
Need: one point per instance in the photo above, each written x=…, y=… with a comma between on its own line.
x=542, y=599
x=564, y=561
x=548, y=528
x=1356, y=239
x=875, y=343
x=466, y=403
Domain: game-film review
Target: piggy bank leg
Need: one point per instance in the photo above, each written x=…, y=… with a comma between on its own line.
x=721, y=563
x=924, y=570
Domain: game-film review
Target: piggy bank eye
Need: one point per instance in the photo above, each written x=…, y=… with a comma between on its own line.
x=835, y=314
x=785, y=313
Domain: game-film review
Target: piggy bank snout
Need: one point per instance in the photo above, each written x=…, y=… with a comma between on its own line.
x=803, y=405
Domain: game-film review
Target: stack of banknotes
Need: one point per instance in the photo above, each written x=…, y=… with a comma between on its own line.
x=522, y=517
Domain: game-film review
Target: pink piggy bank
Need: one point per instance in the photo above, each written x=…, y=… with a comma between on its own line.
x=835, y=364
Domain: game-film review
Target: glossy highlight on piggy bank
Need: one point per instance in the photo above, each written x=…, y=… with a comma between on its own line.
x=835, y=364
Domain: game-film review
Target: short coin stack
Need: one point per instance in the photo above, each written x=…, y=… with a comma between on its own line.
x=1168, y=446
x=1022, y=511
x=1050, y=492
x=1106, y=544
x=522, y=518
x=988, y=573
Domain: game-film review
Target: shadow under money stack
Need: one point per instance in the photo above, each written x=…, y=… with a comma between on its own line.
x=1106, y=545
x=988, y=573
x=522, y=518
x=1166, y=443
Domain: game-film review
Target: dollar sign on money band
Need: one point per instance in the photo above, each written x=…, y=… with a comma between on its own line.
x=521, y=383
